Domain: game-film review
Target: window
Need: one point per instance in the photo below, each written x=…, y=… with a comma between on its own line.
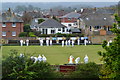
x=59, y=29
x=52, y=31
x=69, y=18
x=69, y=25
x=13, y=24
x=3, y=33
x=67, y=30
x=13, y=33
x=3, y=24
x=63, y=29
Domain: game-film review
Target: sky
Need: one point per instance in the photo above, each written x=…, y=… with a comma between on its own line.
x=59, y=0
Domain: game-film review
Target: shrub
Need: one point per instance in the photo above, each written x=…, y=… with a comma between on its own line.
x=17, y=68
x=23, y=34
x=89, y=70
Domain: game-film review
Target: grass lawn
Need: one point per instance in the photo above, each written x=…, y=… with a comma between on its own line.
x=57, y=54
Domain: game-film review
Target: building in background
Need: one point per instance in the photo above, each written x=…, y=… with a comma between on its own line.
x=11, y=24
x=51, y=26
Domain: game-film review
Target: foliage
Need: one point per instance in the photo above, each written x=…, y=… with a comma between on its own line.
x=26, y=28
x=17, y=68
x=37, y=33
x=89, y=70
x=23, y=34
x=31, y=34
x=61, y=35
x=40, y=21
x=111, y=56
x=56, y=19
x=26, y=18
x=27, y=32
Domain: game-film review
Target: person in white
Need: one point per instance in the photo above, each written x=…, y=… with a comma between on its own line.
x=27, y=42
x=47, y=42
x=40, y=58
x=73, y=43
x=86, y=59
x=44, y=58
x=35, y=59
x=69, y=42
x=85, y=42
x=41, y=42
x=62, y=43
x=50, y=42
x=108, y=44
x=71, y=59
x=21, y=42
x=78, y=42
x=110, y=41
x=77, y=60
x=21, y=55
x=66, y=43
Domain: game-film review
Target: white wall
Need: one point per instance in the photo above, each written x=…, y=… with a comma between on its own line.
x=72, y=24
x=56, y=30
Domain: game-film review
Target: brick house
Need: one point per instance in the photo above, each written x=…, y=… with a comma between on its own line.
x=12, y=25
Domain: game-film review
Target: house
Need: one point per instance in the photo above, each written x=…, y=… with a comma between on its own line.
x=11, y=25
x=94, y=22
x=71, y=20
x=51, y=26
x=34, y=14
x=34, y=23
x=55, y=13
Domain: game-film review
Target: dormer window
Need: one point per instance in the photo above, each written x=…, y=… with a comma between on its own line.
x=13, y=24
x=3, y=24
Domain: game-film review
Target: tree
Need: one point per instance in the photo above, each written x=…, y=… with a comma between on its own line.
x=89, y=70
x=31, y=34
x=56, y=19
x=111, y=56
x=26, y=18
x=27, y=29
x=23, y=68
x=40, y=21
x=23, y=34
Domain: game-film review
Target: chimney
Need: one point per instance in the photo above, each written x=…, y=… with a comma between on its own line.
x=9, y=10
x=13, y=14
x=81, y=10
x=50, y=10
x=94, y=9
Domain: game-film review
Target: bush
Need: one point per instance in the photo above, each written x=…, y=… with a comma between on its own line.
x=23, y=34
x=17, y=68
x=89, y=70
x=61, y=35
x=31, y=34
x=40, y=21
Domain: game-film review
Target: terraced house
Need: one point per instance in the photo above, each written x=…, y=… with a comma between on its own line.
x=11, y=24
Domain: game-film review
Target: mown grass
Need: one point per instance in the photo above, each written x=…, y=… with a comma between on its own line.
x=57, y=54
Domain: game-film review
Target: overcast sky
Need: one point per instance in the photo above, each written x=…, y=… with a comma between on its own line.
x=60, y=0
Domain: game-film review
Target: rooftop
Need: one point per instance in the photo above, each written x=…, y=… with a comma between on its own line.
x=51, y=23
